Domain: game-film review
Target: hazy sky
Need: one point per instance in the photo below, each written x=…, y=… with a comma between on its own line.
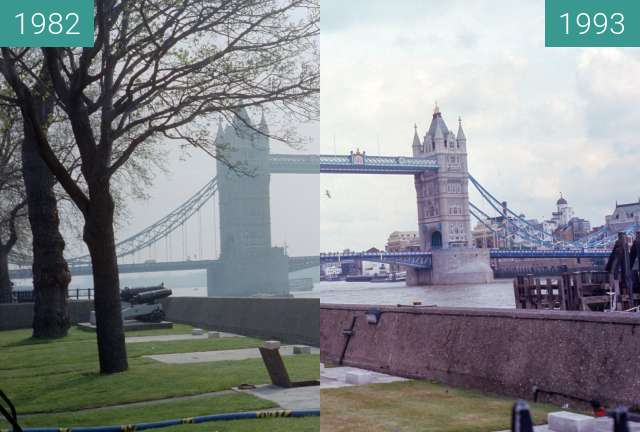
x=294, y=205
x=538, y=121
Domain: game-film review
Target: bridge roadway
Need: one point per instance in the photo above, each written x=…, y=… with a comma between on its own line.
x=423, y=259
x=295, y=263
x=349, y=164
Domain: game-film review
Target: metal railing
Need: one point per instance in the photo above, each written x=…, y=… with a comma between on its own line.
x=72, y=294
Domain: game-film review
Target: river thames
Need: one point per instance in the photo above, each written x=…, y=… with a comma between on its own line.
x=498, y=294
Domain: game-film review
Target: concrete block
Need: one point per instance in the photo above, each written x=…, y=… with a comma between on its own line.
x=358, y=378
x=197, y=332
x=563, y=421
x=605, y=424
x=92, y=317
x=213, y=335
x=301, y=349
x=271, y=344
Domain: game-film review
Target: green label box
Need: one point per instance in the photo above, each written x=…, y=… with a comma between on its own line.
x=592, y=23
x=46, y=23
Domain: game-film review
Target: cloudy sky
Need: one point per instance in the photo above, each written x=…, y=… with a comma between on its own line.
x=539, y=121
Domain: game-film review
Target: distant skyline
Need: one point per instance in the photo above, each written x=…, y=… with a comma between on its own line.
x=539, y=121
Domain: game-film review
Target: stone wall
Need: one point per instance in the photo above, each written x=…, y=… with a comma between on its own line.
x=566, y=356
x=20, y=315
x=289, y=320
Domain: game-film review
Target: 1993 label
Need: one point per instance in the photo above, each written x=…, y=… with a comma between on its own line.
x=592, y=23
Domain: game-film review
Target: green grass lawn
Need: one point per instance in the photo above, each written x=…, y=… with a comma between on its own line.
x=179, y=409
x=418, y=406
x=58, y=377
x=161, y=411
x=80, y=355
x=11, y=338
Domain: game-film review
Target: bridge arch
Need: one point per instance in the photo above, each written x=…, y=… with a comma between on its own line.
x=436, y=240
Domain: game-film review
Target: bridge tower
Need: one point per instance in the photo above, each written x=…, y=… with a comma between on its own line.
x=248, y=264
x=444, y=220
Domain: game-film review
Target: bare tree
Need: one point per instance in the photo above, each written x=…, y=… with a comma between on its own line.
x=158, y=69
x=12, y=201
x=51, y=276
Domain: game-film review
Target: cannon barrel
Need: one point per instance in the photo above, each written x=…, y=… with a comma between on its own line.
x=129, y=293
x=150, y=296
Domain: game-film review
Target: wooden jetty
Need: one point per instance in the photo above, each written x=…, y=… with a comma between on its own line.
x=577, y=291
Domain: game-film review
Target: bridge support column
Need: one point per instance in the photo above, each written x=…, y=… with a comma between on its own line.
x=418, y=277
x=461, y=266
x=249, y=275
x=454, y=266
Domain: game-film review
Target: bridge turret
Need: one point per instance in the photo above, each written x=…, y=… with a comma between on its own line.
x=244, y=196
x=443, y=200
x=418, y=150
x=220, y=134
x=263, y=126
x=439, y=141
x=461, y=139
x=444, y=221
x=248, y=263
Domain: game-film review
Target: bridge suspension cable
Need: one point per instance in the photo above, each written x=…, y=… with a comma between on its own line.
x=162, y=228
x=499, y=232
x=602, y=238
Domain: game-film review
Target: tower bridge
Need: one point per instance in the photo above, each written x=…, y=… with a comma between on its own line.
x=441, y=177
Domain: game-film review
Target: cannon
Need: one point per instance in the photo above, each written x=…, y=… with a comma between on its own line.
x=142, y=303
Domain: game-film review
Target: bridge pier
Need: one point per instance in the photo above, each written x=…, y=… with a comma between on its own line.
x=452, y=267
x=249, y=275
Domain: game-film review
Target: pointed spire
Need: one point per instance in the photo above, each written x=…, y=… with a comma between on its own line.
x=242, y=119
x=416, y=138
x=461, y=136
x=220, y=132
x=436, y=109
x=438, y=133
x=263, y=127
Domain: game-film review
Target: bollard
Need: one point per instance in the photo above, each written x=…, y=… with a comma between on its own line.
x=521, y=417
x=620, y=419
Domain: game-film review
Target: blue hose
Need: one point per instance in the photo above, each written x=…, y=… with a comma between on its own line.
x=187, y=420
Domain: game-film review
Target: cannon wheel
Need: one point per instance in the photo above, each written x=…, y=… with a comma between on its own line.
x=155, y=316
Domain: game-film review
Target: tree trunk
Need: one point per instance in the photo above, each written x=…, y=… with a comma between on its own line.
x=51, y=275
x=5, y=283
x=100, y=239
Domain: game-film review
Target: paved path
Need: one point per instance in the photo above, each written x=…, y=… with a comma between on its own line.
x=213, y=356
x=174, y=337
x=335, y=377
x=300, y=398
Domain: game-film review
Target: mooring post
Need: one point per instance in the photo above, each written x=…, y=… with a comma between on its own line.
x=620, y=419
x=521, y=417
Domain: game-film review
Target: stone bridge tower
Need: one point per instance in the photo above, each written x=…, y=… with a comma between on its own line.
x=444, y=222
x=248, y=264
x=443, y=196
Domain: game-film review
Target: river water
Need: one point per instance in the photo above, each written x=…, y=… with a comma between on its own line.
x=498, y=294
